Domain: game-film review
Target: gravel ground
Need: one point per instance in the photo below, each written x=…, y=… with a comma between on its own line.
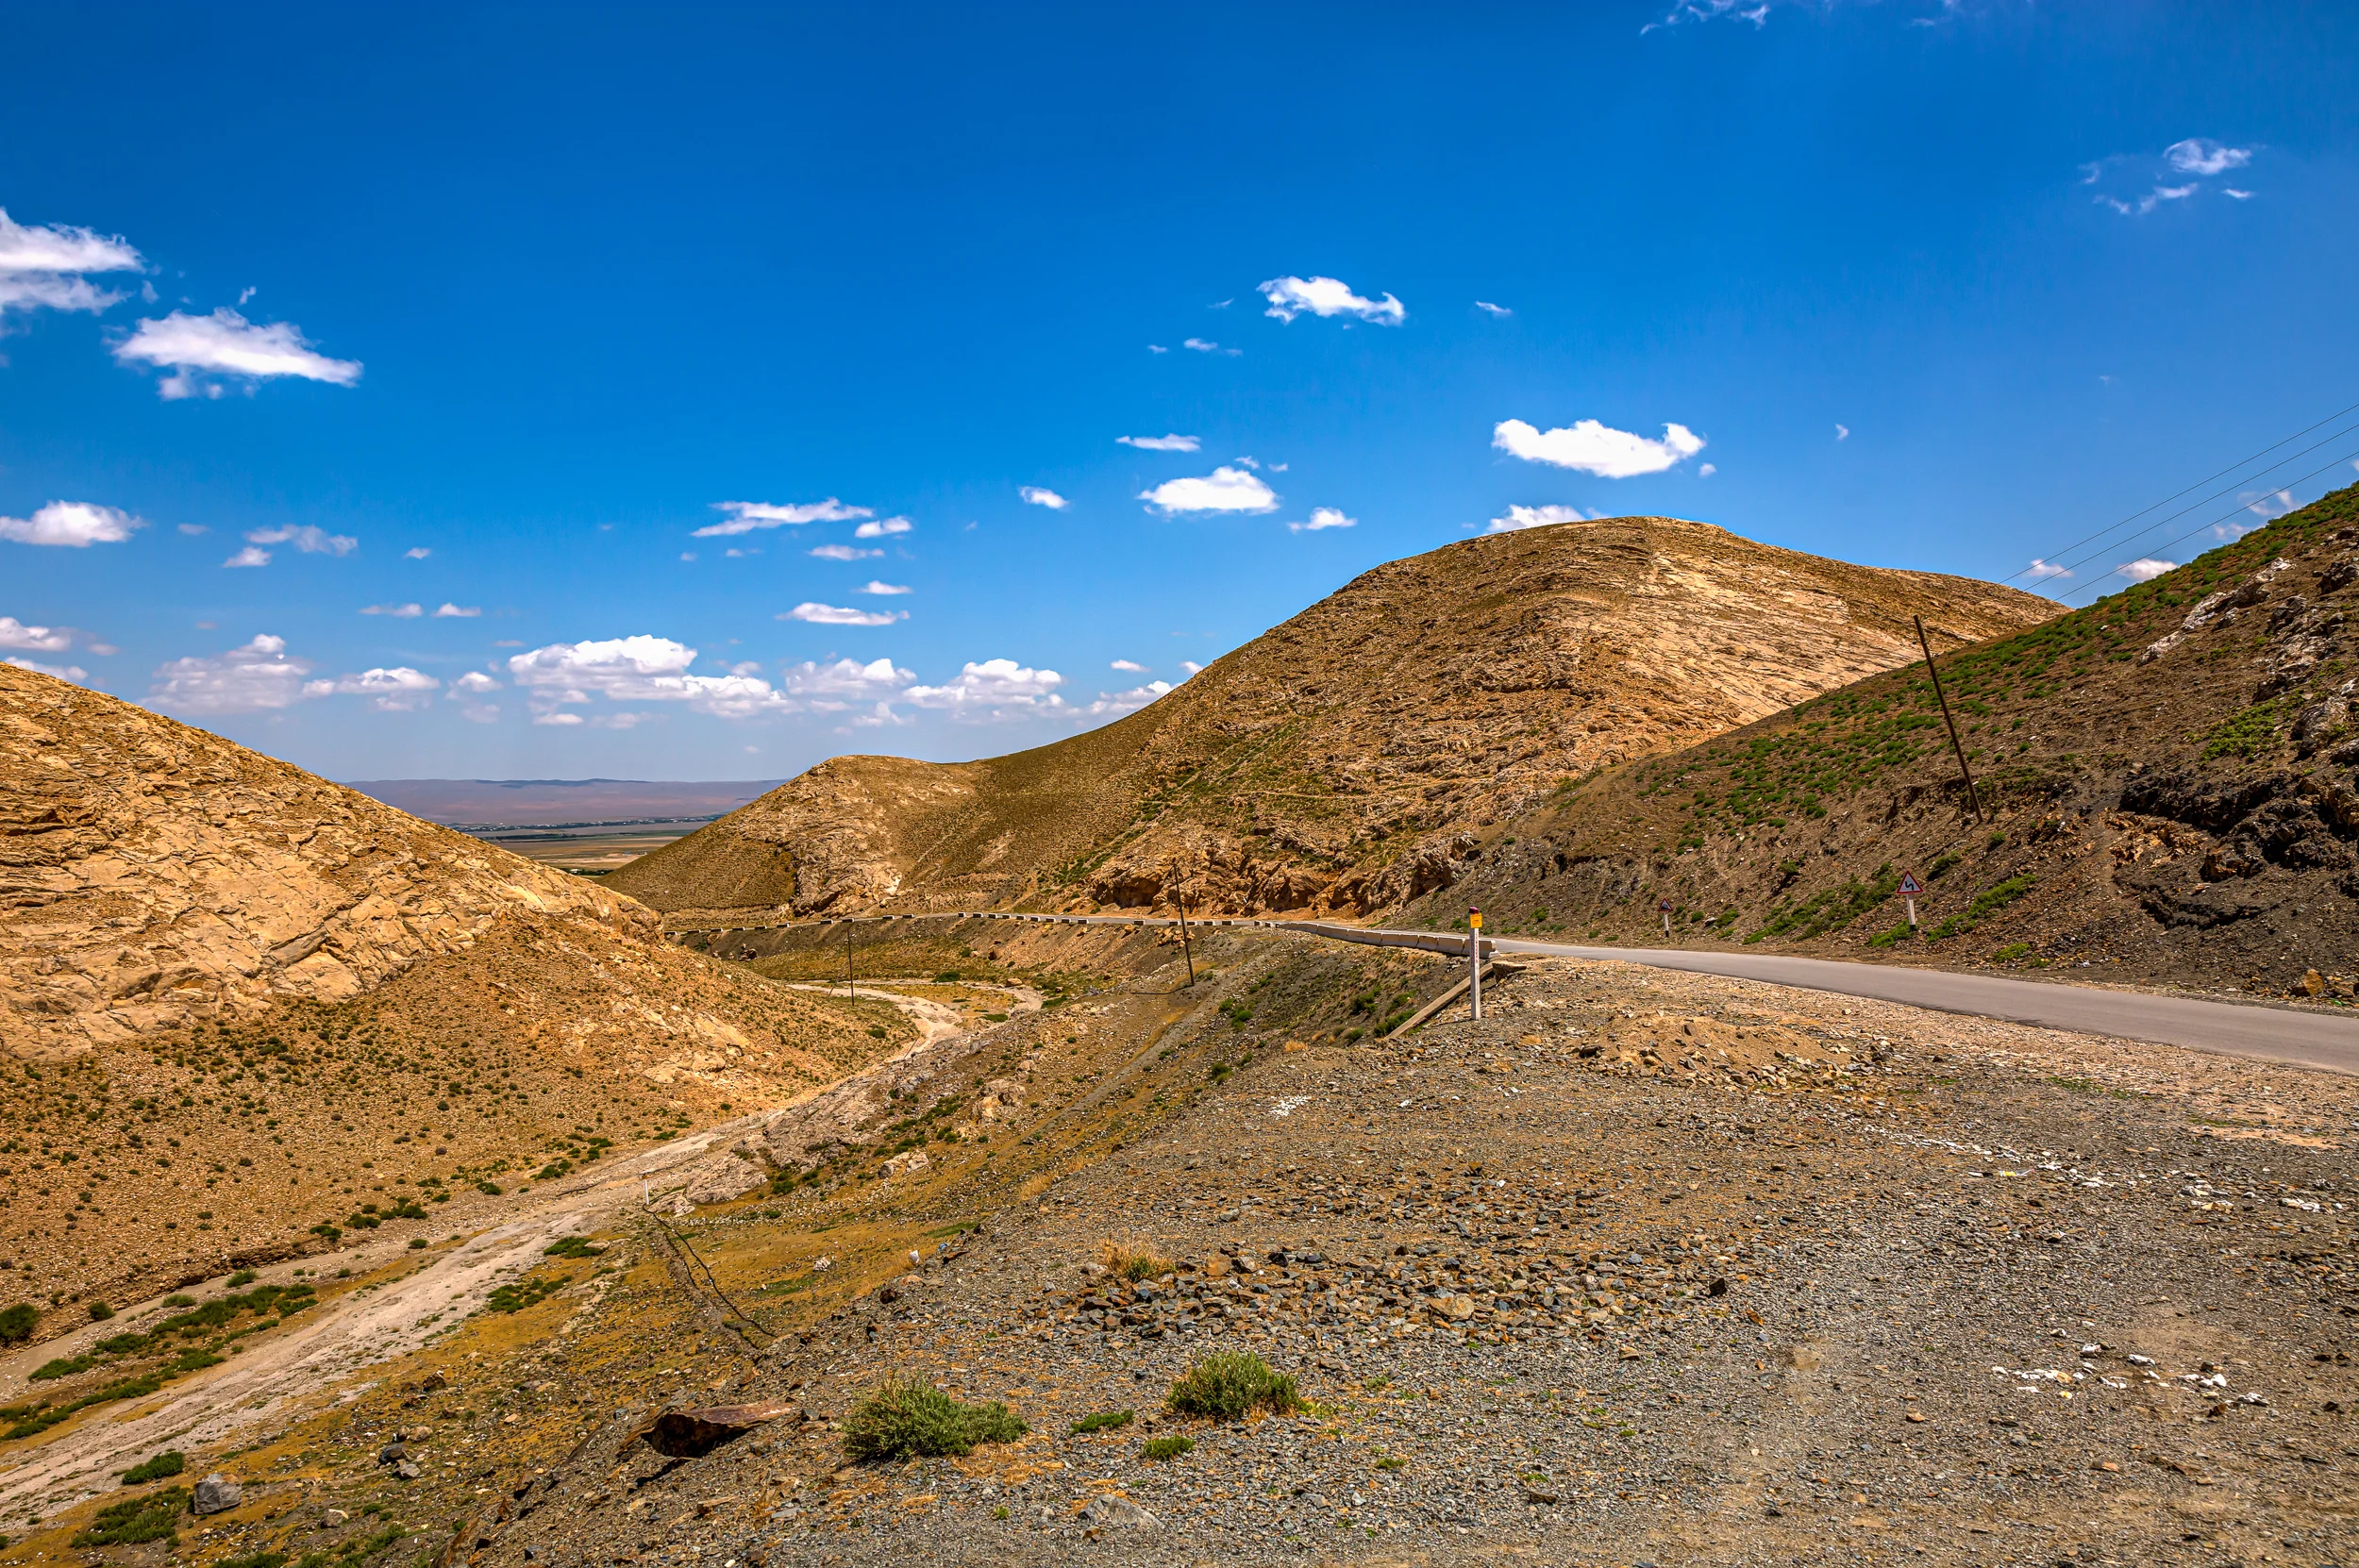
x=1617, y=1275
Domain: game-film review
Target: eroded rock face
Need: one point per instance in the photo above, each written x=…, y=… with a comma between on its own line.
x=1344, y=760
x=151, y=872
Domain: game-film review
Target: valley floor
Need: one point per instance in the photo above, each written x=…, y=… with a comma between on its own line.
x=1644, y=1267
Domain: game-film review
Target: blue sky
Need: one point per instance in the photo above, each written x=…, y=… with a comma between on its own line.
x=497, y=310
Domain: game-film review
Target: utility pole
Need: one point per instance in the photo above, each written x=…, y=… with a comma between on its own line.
x=1474, y=957
x=1186, y=952
x=850, y=984
x=1972, y=799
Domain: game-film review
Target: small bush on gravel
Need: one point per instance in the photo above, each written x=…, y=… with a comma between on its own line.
x=1166, y=1447
x=1228, y=1385
x=134, y=1520
x=909, y=1415
x=1101, y=1422
x=18, y=1322
x=169, y=1462
x=1132, y=1262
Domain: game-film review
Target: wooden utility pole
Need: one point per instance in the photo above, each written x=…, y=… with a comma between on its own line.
x=850, y=984
x=1925, y=643
x=1474, y=959
x=1182, y=899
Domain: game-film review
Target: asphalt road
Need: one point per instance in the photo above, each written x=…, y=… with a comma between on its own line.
x=2233, y=1028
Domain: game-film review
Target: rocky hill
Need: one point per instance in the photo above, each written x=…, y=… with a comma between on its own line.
x=2168, y=778
x=241, y=1008
x=1348, y=758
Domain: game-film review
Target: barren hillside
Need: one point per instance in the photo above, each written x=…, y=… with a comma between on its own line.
x=1346, y=759
x=242, y=1008
x=2167, y=776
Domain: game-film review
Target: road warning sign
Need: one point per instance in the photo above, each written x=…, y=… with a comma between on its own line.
x=1909, y=888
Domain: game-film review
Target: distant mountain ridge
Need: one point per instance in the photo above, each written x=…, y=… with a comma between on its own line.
x=549, y=802
x=1349, y=758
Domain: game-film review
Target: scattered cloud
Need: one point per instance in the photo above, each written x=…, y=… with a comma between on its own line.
x=416, y=552
x=257, y=678
x=844, y=552
x=2145, y=570
x=399, y=689
x=73, y=672
x=1129, y=666
x=747, y=516
x=75, y=525
x=42, y=266
x=475, y=683
x=1113, y=704
x=634, y=669
x=1596, y=448
x=400, y=612
x=250, y=556
x=1491, y=310
x=1326, y=296
x=2235, y=195
x=450, y=612
x=875, y=587
x=1040, y=497
x=310, y=540
x=1223, y=489
x=2270, y=504
x=995, y=690
x=1843, y=432
x=1160, y=443
x=1521, y=518
x=1324, y=517
x=1190, y=665
x=199, y=348
x=883, y=528
x=16, y=634
x=847, y=683
x=192, y=529
x=838, y=615
x=1754, y=11
x=1705, y=471
x=1205, y=345
x=1157, y=349
x=2041, y=571
x=2199, y=154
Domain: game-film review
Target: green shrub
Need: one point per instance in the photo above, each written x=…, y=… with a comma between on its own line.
x=100, y=1312
x=136, y=1519
x=18, y=1322
x=1102, y=1421
x=243, y=1276
x=1166, y=1447
x=572, y=1246
x=1229, y=1384
x=909, y=1415
x=169, y=1462
x=62, y=1366
x=1130, y=1261
x=262, y=1559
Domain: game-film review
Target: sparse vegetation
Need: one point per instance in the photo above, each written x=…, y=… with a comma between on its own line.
x=1101, y=1422
x=1227, y=1385
x=1166, y=1447
x=136, y=1520
x=909, y=1415
x=1131, y=1260
x=169, y=1462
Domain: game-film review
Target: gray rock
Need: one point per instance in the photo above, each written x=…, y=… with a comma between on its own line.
x=408, y=1470
x=216, y=1493
x=1120, y=1512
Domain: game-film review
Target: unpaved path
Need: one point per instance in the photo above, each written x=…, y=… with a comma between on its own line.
x=272, y=1379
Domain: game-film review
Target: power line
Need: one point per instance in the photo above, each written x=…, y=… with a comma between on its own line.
x=2200, y=483
x=2223, y=517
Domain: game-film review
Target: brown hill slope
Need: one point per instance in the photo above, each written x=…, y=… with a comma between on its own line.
x=1345, y=758
x=238, y=1002
x=2169, y=774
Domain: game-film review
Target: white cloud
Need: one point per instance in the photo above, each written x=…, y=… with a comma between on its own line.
x=1223, y=489
x=2273, y=503
x=2148, y=202
x=1040, y=497
x=197, y=348
x=248, y=679
x=310, y=540
x=1754, y=11
x=1128, y=667
x=844, y=552
x=399, y=689
x=2145, y=570
x=1113, y=704
x=884, y=528
x=416, y=552
x=2235, y=195
x=2040, y=571
x=1190, y=665
x=457, y=612
x=875, y=587
x=838, y=615
x=475, y=683
x=73, y=672
x=1205, y=345
x=41, y=266
x=1494, y=311
x=1160, y=443
x=1596, y=448
x=1843, y=432
x=467, y=690
x=399, y=613
x=16, y=634
x=1326, y=296
x=833, y=687
x=747, y=516
x=249, y=557
x=1157, y=349
x=1324, y=517
x=634, y=669
x=1705, y=471
x=1519, y=518
x=997, y=689
x=2201, y=156
x=192, y=529
x=74, y=523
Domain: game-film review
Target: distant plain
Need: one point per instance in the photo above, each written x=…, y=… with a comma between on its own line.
x=580, y=824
